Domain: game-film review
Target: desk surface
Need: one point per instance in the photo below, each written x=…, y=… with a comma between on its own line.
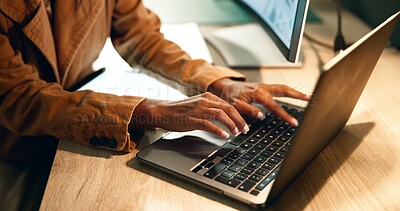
x=360, y=169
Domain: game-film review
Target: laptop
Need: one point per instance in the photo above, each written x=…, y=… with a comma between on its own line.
x=278, y=30
x=255, y=167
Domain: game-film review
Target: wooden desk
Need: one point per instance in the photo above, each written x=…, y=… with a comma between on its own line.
x=360, y=169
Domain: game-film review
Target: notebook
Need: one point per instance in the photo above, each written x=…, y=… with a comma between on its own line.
x=255, y=167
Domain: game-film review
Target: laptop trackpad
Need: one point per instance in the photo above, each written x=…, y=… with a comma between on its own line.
x=180, y=151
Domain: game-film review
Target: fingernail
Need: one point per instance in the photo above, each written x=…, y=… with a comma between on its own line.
x=235, y=131
x=245, y=129
x=224, y=134
x=295, y=122
x=308, y=97
x=260, y=115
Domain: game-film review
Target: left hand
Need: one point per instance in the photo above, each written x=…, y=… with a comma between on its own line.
x=242, y=94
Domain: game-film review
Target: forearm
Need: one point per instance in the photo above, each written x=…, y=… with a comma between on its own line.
x=136, y=36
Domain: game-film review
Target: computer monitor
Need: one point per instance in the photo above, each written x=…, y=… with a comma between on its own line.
x=280, y=26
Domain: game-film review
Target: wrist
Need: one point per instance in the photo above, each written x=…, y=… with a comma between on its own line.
x=142, y=115
x=217, y=86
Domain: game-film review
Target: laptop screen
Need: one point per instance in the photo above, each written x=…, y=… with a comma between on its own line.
x=283, y=19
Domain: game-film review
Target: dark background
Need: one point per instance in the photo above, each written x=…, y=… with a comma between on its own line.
x=374, y=12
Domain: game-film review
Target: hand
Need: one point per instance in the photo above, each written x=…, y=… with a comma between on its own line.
x=242, y=94
x=190, y=114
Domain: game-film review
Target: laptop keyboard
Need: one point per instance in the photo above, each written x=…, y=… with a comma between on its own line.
x=249, y=162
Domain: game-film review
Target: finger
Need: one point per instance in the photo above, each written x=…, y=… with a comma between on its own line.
x=221, y=116
x=247, y=109
x=285, y=91
x=234, y=114
x=216, y=102
x=273, y=107
x=205, y=125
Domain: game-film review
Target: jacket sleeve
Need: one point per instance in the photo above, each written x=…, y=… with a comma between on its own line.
x=30, y=106
x=136, y=36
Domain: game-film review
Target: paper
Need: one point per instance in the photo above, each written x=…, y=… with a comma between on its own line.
x=132, y=83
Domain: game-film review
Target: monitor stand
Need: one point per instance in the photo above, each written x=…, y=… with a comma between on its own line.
x=248, y=46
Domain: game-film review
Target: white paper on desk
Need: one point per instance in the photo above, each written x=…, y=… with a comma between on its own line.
x=133, y=83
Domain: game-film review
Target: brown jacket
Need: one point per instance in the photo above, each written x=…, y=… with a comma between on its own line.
x=41, y=57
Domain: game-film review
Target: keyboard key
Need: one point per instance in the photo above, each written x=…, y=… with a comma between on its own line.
x=227, y=173
x=278, y=143
x=234, y=167
x=221, y=153
x=228, y=147
x=297, y=113
x=247, y=185
x=240, y=176
x=283, y=139
x=260, y=146
x=231, y=182
x=254, y=164
x=197, y=169
x=240, y=150
x=252, y=140
x=212, y=157
x=284, y=149
x=283, y=127
x=254, y=151
x=286, y=108
x=272, y=148
x=254, y=127
x=204, y=163
x=266, y=153
x=247, y=170
x=246, y=145
x=275, y=122
x=268, y=166
x=279, y=155
x=269, y=127
x=270, y=137
x=255, y=177
x=277, y=131
x=262, y=171
x=260, y=159
x=215, y=170
x=233, y=156
x=209, y=165
x=292, y=129
x=248, y=156
x=227, y=161
x=242, y=162
x=264, y=183
x=267, y=180
x=239, y=140
x=264, y=131
x=271, y=116
x=254, y=192
x=265, y=141
x=288, y=134
x=274, y=160
x=258, y=135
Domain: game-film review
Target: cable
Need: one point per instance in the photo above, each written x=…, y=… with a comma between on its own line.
x=339, y=43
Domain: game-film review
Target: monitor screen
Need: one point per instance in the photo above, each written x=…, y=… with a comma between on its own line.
x=284, y=18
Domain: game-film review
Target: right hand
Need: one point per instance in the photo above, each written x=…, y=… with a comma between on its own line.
x=190, y=114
